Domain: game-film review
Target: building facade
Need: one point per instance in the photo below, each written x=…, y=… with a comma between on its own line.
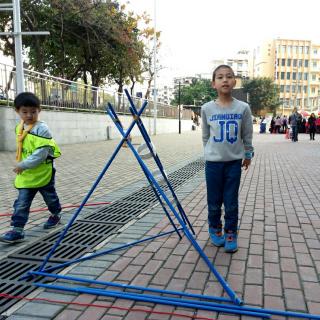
x=294, y=65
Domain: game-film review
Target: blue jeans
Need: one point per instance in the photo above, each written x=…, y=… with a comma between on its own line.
x=223, y=181
x=23, y=203
x=294, y=133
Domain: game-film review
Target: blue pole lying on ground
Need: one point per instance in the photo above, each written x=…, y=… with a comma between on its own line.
x=259, y=312
x=153, y=299
x=132, y=287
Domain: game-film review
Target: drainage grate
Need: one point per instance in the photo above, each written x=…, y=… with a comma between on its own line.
x=11, y=271
x=63, y=253
x=112, y=218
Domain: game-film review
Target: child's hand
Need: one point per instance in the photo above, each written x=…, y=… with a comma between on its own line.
x=17, y=170
x=246, y=163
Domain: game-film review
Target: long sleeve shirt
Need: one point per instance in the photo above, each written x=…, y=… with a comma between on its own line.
x=226, y=131
x=39, y=155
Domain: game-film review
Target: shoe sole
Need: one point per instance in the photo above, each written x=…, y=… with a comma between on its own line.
x=51, y=227
x=13, y=241
x=231, y=251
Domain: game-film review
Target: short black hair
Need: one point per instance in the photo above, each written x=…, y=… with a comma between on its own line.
x=26, y=99
x=220, y=67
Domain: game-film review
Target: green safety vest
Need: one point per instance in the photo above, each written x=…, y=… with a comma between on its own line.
x=41, y=175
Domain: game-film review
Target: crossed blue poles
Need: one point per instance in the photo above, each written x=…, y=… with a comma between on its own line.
x=183, y=225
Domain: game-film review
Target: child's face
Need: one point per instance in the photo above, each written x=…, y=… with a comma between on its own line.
x=224, y=81
x=28, y=114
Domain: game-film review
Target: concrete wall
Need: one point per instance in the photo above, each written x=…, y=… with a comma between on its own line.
x=79, y=127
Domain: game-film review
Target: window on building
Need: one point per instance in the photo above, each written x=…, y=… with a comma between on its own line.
x=314, y=77
x=278, y=62
x=305, y=89
x=301, y=49
x=283, y=62
x=294, y=76
x=315, y=51
x=313, y=90
x=299, y=89
x=305, y=76
x=282, y=75
x=293, y=88
x=299, y=75
x=295, y=49
x=283, y=49
x=282, y=88
x=287, y=88
x=294, y=62
x=300, y=63
x=306, y=63
x=306, y=50
x=314, y=64
x=288, y=62
x=288, y=75
x=277, y=75
x=289, y=49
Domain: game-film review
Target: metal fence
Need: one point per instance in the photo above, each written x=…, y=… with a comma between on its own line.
x=62, y=94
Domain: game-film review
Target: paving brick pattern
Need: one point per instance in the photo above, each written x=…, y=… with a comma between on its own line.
x=278, y=262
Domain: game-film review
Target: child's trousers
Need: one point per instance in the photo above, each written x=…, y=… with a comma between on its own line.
x=223, y=181
x=23, y=203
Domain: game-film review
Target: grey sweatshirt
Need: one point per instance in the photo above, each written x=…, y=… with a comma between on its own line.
x=38, y=156
x=226, y=131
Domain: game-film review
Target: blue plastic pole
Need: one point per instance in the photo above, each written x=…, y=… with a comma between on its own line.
x=118, y=124
x=223, y=283
x=90, y=192
x=98, y=254
x=153, y=299
x=147, y=139
x=259, y=312
x=132, y=287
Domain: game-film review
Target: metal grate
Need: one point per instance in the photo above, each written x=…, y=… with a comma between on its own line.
x=11, y=271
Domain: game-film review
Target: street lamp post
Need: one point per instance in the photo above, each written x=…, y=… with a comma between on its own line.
x=179, y=107
x=17, y=34
x=155, y=71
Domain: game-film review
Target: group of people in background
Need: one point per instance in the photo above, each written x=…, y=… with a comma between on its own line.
x=295, y=124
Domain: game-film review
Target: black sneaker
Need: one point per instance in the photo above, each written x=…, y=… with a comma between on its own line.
x=13, y=236
x=52, y=221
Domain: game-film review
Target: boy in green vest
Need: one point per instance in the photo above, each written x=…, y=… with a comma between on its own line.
x=35, y=172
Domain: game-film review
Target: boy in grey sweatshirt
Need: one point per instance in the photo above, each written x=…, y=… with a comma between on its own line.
x=227, y=139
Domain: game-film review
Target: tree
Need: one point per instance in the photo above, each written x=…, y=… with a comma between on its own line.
x=197, y=93
x=263, y=94
x=95, y=38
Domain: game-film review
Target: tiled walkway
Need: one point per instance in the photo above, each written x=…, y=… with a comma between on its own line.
x=278, y=262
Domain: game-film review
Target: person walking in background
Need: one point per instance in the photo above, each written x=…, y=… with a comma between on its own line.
x=35, y=172
x=284, y=123
x=312, y=126
x=294, y=121
x=227, y=139
x=277, y=125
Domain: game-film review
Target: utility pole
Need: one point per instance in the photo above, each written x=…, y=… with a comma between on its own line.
x=179, y=107
x=155, y=70
x=17, y=34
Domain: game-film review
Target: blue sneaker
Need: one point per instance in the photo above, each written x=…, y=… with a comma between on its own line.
x=231, y=244
x=52, y=221
x=217, y=237
x=13, y=236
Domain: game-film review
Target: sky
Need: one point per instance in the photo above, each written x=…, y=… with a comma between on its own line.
x=195, y=32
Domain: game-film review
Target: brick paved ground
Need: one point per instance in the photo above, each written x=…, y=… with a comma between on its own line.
x=277, y=265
